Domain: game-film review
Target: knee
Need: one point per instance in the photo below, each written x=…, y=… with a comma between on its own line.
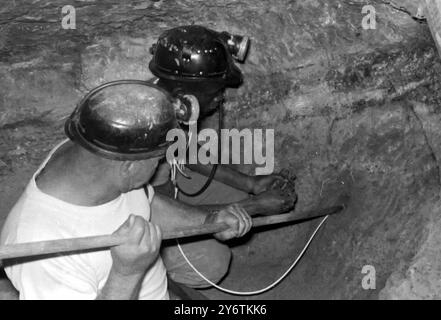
x=217, y=260
x=221, y=254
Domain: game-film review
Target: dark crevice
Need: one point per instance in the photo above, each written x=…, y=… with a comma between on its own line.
x=402, y=9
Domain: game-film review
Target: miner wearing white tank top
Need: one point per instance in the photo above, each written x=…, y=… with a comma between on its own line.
x=38, y=216
x=98, y=182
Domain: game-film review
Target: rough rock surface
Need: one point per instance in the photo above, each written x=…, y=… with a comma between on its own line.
x=354, y=111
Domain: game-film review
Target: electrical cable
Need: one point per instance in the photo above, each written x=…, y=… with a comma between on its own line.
x=213, y=169
x=275, y=283
x=176, y=167
x=179, y=167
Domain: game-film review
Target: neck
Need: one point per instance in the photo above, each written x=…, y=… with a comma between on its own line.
x=76, y=176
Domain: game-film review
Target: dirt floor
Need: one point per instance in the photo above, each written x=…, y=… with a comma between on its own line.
x=355, y=112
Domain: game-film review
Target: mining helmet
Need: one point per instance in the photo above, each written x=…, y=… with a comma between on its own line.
x=124, y=120
x=195, y=53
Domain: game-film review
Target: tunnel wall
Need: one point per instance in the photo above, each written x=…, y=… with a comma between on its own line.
x=354, y=111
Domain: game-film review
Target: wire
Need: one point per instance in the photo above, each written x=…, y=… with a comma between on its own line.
x=275, y=283
x=213, y=169
x=178, y=167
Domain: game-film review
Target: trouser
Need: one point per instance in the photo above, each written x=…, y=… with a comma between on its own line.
x=209, y=256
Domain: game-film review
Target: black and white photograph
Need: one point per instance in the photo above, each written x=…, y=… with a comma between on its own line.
x=234, y=152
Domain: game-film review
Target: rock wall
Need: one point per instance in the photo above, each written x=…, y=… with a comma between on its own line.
x=354, y=111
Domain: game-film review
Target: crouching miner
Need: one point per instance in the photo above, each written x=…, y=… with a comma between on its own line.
x=98, y=182
x=194, y=60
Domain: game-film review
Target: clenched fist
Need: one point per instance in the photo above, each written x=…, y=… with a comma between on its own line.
x=236, y=217
x=141, y=248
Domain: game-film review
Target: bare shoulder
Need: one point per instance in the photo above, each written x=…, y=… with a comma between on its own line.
x=49, y=178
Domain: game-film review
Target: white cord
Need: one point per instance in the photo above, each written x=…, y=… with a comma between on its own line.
x=251, y=293
x=178, y=166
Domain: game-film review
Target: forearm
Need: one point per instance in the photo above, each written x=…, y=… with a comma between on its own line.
x=168, y=213
x=226, y=175
x=251, y=206
x=121, y=287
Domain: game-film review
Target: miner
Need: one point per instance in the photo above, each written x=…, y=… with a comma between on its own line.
x=194, y=60
x=99, y=182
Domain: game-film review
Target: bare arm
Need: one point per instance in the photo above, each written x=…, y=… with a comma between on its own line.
x=169, y=213
x=132, y=259
x=121, y=287
x=226, y=175
x=253, y=206
x=238, y=180
x=267, y=203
